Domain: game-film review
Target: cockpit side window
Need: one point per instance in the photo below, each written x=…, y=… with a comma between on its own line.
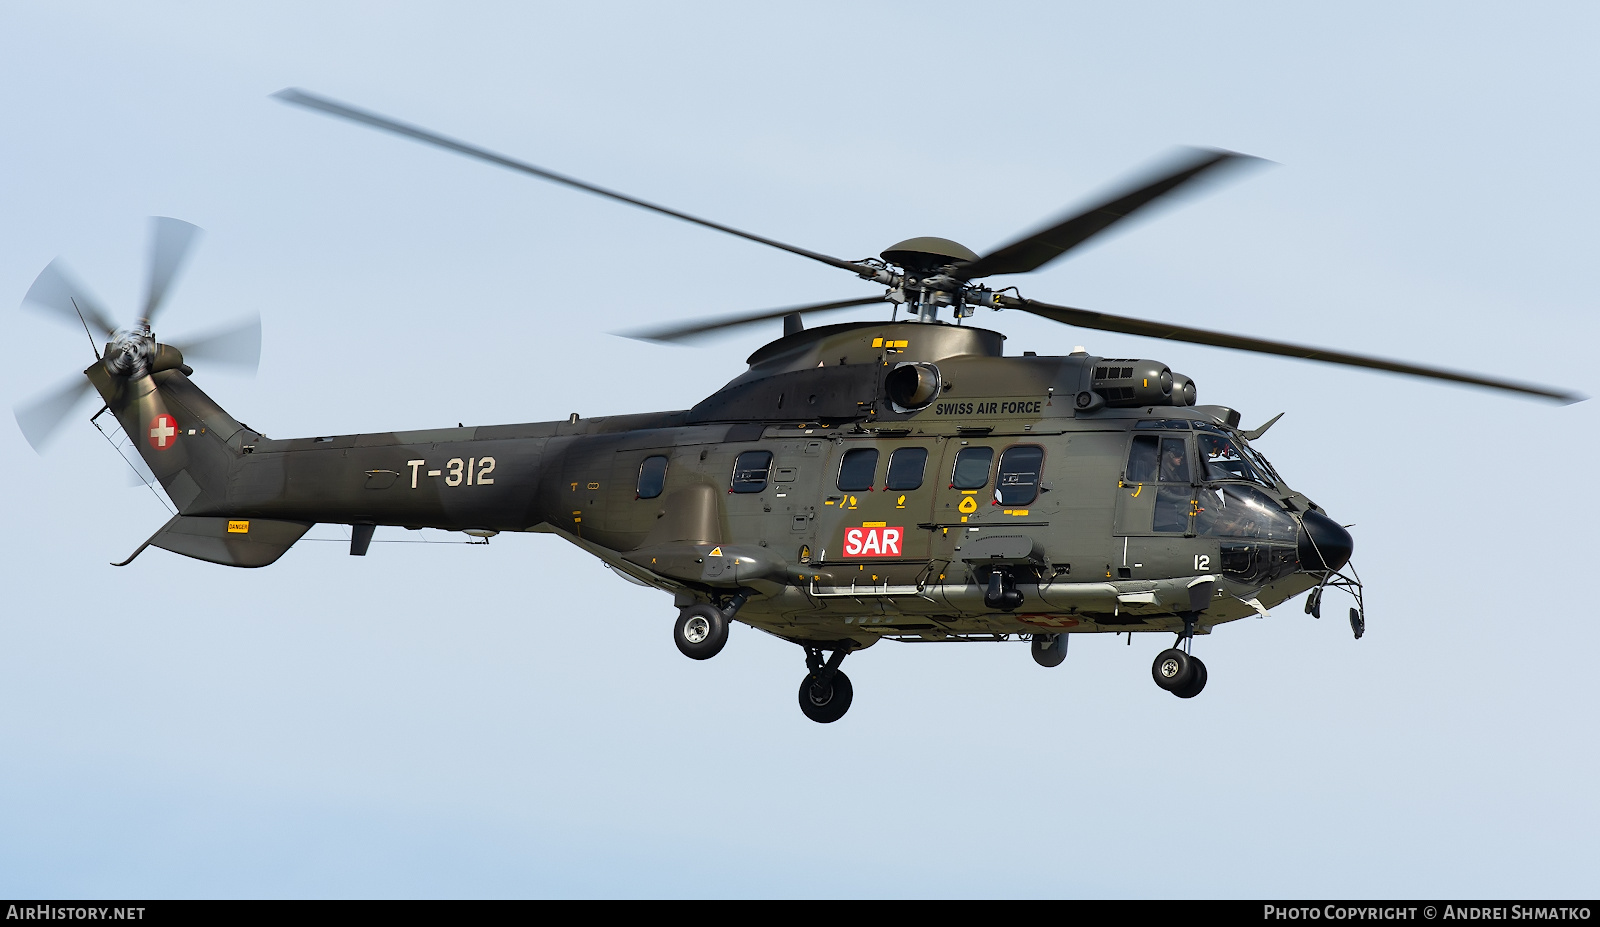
x=1142, y=459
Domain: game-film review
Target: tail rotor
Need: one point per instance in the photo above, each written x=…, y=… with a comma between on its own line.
x=129, y=351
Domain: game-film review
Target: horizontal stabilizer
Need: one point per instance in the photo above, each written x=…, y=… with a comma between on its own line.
x=240, y=542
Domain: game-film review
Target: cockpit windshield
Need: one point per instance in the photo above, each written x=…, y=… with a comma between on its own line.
x=1237, y=511
x=1262, y=466
x=1227, y=459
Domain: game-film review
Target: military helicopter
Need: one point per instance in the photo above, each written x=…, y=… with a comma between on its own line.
x=863, y=481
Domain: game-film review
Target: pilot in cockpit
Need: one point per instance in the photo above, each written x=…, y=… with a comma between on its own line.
x=1174, y=462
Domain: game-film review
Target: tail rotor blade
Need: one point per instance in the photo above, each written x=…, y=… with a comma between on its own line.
x=171, y=241
x=56, y=292
x=40, y=419
x=238, y=345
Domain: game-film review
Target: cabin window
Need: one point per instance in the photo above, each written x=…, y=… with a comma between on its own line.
x=905, y=468
x=857, y=469
x=750, y=471
x=1017, y=482
x=972, y=468
x=652, y=477
x=1142, y=459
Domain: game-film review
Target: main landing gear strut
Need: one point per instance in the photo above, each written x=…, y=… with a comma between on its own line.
x=1175, y=669
x=825, y=693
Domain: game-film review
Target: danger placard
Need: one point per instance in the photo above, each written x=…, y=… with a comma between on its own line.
x=873, y=541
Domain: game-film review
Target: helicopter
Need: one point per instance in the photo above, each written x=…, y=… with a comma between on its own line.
x=869, y=480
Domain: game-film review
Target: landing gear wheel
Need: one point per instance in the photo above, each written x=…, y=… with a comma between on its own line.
x=701, y=631
x=1196, y=683
x=1049, y=649
x=1173, y=669
x=827, y=703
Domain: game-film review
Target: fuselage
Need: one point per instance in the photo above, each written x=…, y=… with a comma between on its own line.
x=841, y=513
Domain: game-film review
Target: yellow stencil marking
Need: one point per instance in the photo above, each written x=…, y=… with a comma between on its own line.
x=877, y=342
x=238, y=527
x=968, y=505
x=900, y=503
x=716, y=552
x=874, y=524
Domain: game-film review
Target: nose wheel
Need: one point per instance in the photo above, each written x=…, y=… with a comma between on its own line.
x=1178, y=671
x=1182, y=674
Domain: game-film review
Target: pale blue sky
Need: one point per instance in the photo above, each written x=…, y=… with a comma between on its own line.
x=513, y=720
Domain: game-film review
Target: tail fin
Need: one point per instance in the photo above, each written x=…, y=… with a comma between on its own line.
x=192, y=446
x=187, y=440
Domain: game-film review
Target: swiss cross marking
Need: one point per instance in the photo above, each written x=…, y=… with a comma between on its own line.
x=163, y=432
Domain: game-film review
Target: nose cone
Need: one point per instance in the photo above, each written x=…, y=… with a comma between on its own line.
x=1323, y=543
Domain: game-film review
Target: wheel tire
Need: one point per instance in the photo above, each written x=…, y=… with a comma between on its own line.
x=1049, y=649
x=1172, y=670
x=701, y=631
x=831, y=706
x=1196, y=684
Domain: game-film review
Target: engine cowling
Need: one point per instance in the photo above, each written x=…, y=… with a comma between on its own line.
x=1125, y=382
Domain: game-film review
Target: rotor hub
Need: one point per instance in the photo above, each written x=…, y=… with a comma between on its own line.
x=922, y=256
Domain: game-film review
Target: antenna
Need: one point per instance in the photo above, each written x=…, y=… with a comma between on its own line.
x=92, y=346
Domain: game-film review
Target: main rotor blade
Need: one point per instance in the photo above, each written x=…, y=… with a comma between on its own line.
x=40, y=418
x=58, y=292
x=1084, y=318
x=1040, y=248
x=238, y=345
x=693, y=330
x=170, y=243
x=344, y=111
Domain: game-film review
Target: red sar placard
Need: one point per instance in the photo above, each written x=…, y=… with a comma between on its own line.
x=873, y=541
